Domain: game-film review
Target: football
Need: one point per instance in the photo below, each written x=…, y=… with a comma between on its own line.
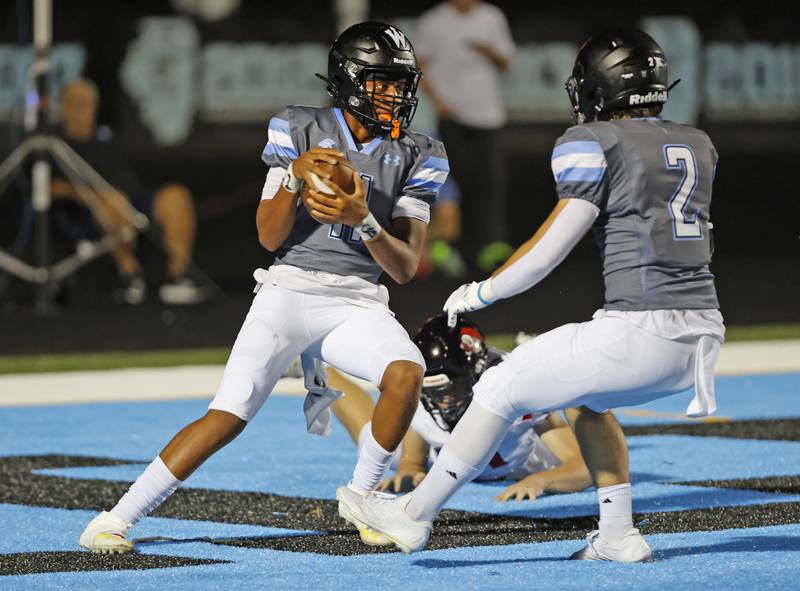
x=341, y=175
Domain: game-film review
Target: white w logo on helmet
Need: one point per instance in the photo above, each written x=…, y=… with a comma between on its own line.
x=398, y=37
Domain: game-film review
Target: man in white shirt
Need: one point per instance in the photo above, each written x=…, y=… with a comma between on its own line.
x=464, y=46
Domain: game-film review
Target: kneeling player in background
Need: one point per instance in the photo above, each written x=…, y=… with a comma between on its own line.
x=540, y=452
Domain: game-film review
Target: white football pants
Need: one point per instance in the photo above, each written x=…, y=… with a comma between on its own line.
x=282, y=323
x=604, y=363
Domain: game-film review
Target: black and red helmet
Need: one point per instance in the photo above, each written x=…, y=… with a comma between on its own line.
x=455, y=358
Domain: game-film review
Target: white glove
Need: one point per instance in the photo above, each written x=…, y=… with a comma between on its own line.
x=468, y=298
x=319, y=398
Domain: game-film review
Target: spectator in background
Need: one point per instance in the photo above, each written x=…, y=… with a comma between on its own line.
x=463, y=47
x=171, y=206
x=444, y=232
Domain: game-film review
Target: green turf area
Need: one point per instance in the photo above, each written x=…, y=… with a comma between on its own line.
x=111, y=360
x=123, y=359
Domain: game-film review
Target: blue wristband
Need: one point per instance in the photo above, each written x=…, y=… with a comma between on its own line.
x=484, y=302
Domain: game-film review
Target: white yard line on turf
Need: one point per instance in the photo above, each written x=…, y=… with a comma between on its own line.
x=171, y=383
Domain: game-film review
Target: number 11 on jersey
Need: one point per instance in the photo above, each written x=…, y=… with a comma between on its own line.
x=346, y=233
x=685, y=225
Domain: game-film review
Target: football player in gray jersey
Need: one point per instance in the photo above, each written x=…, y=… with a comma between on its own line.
x=644, y=185
x=321, y=298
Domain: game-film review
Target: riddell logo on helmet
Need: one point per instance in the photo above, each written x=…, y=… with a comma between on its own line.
x=402, y=60
x=656, y=96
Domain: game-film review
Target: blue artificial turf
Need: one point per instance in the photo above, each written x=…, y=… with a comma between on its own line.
x=276, y=455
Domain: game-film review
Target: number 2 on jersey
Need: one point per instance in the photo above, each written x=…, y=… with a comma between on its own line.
x=685, y=226
x=346, y=233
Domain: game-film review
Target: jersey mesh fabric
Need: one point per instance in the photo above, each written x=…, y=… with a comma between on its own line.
x=651, y=180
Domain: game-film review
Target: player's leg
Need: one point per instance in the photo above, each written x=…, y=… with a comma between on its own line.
x=173, y=211
x=172, y=208
x=133, y=287
x=573, y=364
x=272, y=334
x=400, y=388
x=605, y=452
x=191, y=446
x=354, y=409
x=457, y=140
x=371, y=344
x=602, y=444
x=198, y=441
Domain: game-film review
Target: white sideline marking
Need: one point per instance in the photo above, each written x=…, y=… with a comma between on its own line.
x=124, y=385
x=201, y=381
x=751, y=357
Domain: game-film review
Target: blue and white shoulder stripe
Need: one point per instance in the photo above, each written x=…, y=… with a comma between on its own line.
x=431, y=175
x=280, y=139
x=579, y=161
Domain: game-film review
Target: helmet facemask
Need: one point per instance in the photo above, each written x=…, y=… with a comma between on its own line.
x=455, y=358
x=587, y=108
x=381, y=112
x=446, y=399
x=361, y=63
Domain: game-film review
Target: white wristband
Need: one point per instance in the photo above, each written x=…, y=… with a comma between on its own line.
x=290, y=182
x=369, y=228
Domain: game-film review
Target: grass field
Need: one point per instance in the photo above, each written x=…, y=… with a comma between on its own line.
x=216, y=356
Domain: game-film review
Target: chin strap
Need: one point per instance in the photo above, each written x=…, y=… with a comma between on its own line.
x=328, y=85
x=673, y=85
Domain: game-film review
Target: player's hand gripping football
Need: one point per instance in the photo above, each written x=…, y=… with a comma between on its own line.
x=340, y=207
x=468, y=298
x=306, y=163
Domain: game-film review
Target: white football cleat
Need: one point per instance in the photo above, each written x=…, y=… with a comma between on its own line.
x=386, y=515
x=631, y=548
x=367, y=535
x=106, y=534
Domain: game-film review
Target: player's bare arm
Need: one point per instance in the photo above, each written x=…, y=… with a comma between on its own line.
x=275, y=217
x=442, y=108
x=397, y=251
x=571, y=475
x=499, y=60
x=62, y=189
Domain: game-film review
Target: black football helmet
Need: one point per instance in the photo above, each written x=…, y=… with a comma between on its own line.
x=370, y=52
x=617, y=70
x=455, y=359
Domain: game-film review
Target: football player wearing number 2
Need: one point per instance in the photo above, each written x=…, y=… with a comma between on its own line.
x=644, y=185
x=321, y=297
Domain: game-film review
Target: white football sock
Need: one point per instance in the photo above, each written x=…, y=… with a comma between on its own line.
x=616, y=513
x=373, y=462
x=151, y=489
x=462, y=458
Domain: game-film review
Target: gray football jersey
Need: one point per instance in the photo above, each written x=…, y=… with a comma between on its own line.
x=651, y=180
x=402, y=178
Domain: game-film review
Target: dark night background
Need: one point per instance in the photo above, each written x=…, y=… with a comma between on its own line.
x=755, y=210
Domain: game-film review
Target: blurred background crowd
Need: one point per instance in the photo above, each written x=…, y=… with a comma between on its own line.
x=169, y=101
